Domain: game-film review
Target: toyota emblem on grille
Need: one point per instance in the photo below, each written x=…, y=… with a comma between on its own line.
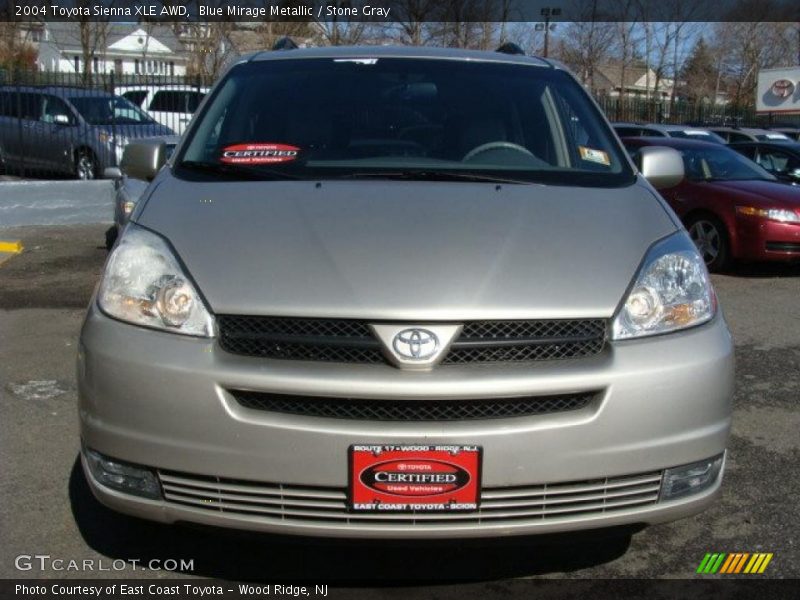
x=416, y=344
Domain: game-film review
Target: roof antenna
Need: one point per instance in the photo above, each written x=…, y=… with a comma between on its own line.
x=285, y=43
x=510, y=48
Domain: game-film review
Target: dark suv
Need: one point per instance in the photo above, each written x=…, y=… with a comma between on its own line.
x=68, y=130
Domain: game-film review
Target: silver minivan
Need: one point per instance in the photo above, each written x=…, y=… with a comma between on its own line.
x=404, y=292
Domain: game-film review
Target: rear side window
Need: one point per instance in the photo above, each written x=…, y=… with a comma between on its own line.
x=24, y=105
x=176, y=101
x=628, y=131
x=7, y=105
x=748, y=151
x=313, y=118
x=137, y=97
x=738, y=137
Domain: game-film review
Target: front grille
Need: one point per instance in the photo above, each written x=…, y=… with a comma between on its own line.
x=783, y=247
x=412, y=410
x=514, y=341
x=299, y=505
x=351, y=341
x=329, y=340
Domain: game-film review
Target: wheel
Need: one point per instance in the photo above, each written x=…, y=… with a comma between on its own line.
x=111, y=236
x=711, y=238
x=85, y=165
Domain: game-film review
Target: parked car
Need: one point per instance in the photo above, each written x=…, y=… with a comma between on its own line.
x=660, y=130
x=781, y=160
x=749, y=134
x=360, y=302
x=68, y=130
x=128, y=190
x=732, y=208
x=790, y=131
x=170, y=105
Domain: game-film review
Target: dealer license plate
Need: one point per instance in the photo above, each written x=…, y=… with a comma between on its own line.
x=414, y=478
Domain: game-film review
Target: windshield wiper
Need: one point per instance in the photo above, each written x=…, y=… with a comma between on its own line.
x=234, y=171
x=432, y=176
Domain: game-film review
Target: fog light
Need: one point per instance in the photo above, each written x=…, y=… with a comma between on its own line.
x=123, y=477
x=691, y=479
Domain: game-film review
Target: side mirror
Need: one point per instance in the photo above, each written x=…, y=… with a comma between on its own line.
x=661, y=166
x=795, y=174
x=61, y=119
x=112, y=173
x=143, y=159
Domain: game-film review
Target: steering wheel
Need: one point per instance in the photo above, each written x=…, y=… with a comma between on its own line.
x=496, y=146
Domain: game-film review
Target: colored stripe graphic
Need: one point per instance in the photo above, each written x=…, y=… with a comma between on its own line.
x=734, y=563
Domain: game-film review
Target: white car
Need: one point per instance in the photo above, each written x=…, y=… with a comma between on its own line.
x=170, y=105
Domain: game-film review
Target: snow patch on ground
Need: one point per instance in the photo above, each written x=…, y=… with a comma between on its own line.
x=55, y=202
x=36, y=390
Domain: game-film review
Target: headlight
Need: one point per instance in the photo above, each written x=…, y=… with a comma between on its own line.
x=144, y=284
x=782, y=215
x=107, y=138
x=672, y=291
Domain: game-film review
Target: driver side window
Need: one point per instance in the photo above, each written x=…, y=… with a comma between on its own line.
x=56, y=111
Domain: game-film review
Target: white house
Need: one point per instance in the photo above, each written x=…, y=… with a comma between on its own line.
x=127, y=49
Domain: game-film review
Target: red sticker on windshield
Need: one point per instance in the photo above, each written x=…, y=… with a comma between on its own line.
x=258, y=154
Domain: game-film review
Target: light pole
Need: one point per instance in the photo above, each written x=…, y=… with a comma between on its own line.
x=547, y=13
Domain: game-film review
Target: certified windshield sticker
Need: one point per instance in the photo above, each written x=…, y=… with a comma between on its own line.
x=258, y=154
x=595, y=156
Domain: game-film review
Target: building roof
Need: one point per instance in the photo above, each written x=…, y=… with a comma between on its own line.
x=635, y=76
x=66, y=36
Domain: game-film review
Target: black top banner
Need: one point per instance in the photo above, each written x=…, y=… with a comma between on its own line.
x=400, y=11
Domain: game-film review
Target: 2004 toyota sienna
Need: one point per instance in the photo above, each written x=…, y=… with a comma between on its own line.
x=382, y=292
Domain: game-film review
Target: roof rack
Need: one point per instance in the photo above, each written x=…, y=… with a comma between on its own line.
x=285, y=43
x=510, y=48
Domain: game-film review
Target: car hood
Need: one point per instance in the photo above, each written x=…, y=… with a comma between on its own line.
x=768, y=192
x=422, y=251
x=142, y=130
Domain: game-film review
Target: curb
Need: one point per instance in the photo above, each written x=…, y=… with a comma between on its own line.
x=14, y=247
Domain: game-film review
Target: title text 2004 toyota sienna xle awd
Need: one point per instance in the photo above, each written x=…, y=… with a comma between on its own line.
x=403, y=292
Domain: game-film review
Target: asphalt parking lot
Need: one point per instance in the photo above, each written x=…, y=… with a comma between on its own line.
x=46, y=508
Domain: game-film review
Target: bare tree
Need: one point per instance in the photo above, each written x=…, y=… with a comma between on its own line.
x=92, y=36
x=744, y=48
x=586, y=43
x=16, y=51
x=340, y=30
x=415, y=19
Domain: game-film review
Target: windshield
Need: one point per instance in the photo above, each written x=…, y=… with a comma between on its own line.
x=409, y=118
x=704, y=164
x=105, y=110
x=697, y=134
x=772, y=137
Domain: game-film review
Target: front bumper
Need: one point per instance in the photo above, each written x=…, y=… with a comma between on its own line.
x=160, y=400
x=760, y=239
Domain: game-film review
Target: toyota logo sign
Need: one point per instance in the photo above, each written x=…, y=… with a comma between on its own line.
x=783, y=88
x=416, y=344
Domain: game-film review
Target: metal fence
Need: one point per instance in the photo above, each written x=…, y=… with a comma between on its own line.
x=681, y=111
x=75, y=124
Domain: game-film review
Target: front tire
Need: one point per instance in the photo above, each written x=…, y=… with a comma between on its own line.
x=85, y=165
x=111, y=236
x=710, y=236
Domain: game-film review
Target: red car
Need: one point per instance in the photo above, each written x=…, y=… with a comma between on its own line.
x=733, y=208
